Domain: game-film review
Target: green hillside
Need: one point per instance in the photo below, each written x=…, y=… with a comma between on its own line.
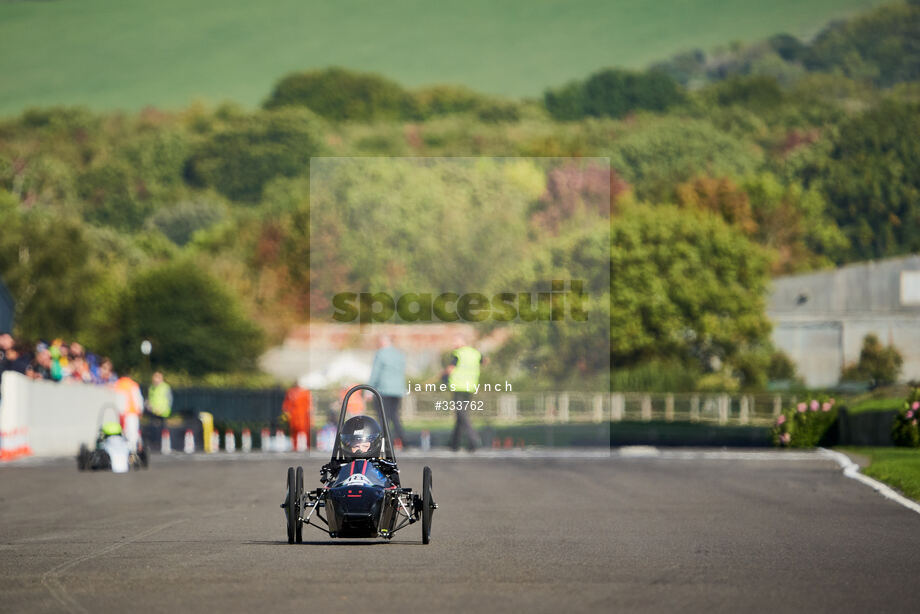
x=114, y=54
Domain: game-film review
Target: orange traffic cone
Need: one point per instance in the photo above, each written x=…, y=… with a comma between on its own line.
x=165, y=443
x=189, y=441
x=229, y=441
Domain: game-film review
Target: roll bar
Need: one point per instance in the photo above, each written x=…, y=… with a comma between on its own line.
x=337, y=452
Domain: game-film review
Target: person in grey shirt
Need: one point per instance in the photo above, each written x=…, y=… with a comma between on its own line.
x=388, y=376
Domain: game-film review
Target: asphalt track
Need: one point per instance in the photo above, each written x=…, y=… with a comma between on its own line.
x=762, y=533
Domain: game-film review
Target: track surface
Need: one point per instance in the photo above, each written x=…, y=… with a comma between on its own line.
x=511, y=535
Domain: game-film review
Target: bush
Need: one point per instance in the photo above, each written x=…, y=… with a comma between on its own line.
x=905, y=430
x=806, y=424
x=184, y=219
x=879, y=365
x=343, y=95
x=446, y=99
x=655, y=376
x=239, y=159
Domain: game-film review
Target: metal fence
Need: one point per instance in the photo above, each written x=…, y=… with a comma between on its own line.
x=587, y=407
x=264, y=406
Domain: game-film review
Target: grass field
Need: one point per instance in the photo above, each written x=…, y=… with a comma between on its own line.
x=897, y=467
x=128, y=54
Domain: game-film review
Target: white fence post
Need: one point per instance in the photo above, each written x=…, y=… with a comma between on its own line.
x=598, y=407
x=563, y=407
x=408, y=412
x=777, y=405
x=646, y=407
x=507, y=407
x=743, y=414
x=617, y=406
x=724, y=404
x=549, y=414
x=669, y=408
x=694, y=408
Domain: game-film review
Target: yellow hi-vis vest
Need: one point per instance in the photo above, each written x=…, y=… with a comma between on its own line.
x=465, y=375
x=158, y=396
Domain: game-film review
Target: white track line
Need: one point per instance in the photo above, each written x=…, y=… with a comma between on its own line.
x=851, y=470
x=51, y=578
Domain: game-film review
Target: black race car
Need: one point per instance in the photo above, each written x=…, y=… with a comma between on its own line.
x=361, y=494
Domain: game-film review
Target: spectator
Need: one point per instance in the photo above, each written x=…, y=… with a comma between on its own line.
x=105, y=375
x=60, y=356
x=388, y=376
x=134, y=405
x=6, y=343
x=44, y=367
x=160, y=397
x=79, y=370
x=296, y=407
x=17, y=358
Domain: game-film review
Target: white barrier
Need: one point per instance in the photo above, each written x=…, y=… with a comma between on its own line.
x=50, y=418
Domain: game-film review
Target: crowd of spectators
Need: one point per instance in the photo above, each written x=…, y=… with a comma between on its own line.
x=56, y=361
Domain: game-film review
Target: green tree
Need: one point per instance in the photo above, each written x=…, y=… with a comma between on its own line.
x=614, y=93
x=184, y=219
x=757, y=92
x=685, y=286
x=656, y=156
x=881, y=45
x=50, y=266
x=567, y=352
x=872, y=180
x=195, y=324
x=343, y=95
x=243, y=155
x=878, y=364
x=400, y=225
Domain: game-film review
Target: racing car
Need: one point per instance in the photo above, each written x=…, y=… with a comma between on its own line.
x=361, y=496
x=112, y=450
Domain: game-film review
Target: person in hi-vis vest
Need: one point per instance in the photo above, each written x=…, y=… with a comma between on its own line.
x=160, y=397
x=462, y=375
x=159, y=400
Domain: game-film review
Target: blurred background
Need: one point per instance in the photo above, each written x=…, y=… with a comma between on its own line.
x=752, y=228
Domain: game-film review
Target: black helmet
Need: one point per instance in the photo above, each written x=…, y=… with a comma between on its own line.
x=360, y=430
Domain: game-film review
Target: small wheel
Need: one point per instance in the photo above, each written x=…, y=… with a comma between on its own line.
x=291, y=504
x=298, y=526
x=426, y=505
x=83, y=458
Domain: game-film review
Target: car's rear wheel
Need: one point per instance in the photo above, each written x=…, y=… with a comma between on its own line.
x=298, y=527
x=426, y=505
x=290, y=507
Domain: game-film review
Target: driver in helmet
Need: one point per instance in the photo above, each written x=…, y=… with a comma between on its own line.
x=361, y=438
